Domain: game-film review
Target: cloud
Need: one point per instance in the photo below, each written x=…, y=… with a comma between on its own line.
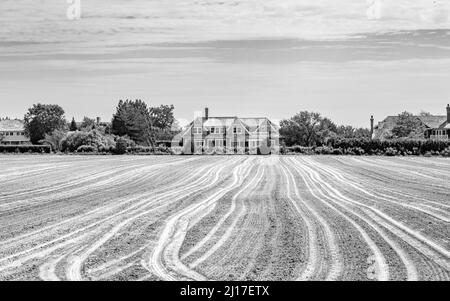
x=113, y=22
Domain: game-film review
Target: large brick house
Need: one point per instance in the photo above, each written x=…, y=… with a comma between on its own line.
x=230, y=135
x=435, y=127
x=12, y=132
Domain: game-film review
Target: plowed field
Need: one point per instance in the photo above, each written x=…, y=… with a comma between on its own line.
x=224, y=218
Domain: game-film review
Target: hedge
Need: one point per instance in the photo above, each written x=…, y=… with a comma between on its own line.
x=25, y=149
x=159, y=150
x=87, y=149
x=401, y=147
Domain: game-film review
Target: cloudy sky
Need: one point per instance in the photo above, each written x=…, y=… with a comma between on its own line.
x=346, y=59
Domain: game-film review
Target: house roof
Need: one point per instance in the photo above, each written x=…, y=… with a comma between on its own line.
x=384, y=128
x=251, y=123
x=432, y=121
x=219, y=121
x=227, y=121
x=11, y=125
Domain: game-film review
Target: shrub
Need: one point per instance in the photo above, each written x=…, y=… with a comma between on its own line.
x=121, y=146
x=337, y=151
x=106, y=149
x=324, y=150
x=446, y=152
x=95, y=138
x=25, y=149
x=163, y=150
x=358, y=151
x=391, y=151
x=300, y=149
x=87, y=149
x=390, y=147
x=139, y=149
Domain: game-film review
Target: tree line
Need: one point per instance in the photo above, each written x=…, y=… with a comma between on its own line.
x=136, y=127
x=133, y=124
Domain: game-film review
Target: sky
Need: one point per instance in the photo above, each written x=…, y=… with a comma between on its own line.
x=251, y=58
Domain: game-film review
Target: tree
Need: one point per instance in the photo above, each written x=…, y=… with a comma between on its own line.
x=306, y=129
x=162, y=116
x=164, y=124
x=88, y=124
x=43, y=119
x=325, y=130
x=425, y=114
x=407, y=125
x=73, y=125
x=349, y=132
x=54, y=139
x=133, y=118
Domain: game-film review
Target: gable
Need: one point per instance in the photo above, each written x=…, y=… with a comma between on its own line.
x=11, y=125
x=432, y=121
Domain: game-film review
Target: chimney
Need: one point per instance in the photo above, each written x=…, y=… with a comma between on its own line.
x=206, y=113
x=371, y=126
x=448, y=113
x=98, y=120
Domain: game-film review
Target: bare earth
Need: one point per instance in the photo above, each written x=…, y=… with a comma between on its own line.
x=224, y=218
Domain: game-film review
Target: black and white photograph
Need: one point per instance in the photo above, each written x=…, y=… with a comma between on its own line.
x=237, y=142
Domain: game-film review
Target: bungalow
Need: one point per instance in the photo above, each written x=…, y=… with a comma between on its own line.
x=12, y=132
x=230, y=135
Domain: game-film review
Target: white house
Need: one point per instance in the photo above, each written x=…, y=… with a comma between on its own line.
x=12, y=132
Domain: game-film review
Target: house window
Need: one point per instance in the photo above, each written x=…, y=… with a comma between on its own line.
x=219, y=143
x=209, y=143
x=254, y=143
x=199, y=143
x=197, y=130
x=212, y=130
